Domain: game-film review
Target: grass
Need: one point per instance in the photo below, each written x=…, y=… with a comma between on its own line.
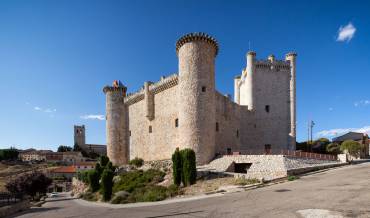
x=243, y=181
x=292, y=178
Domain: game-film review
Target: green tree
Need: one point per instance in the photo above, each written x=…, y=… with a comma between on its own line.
x=138, y=162
x=93, y=178
x=352, y=147
x=103, y=160
x=63, y=148
x=9, y=154
x=99, y=169
x=189, y=170
x=107, y=184
x=333, y=148
x=176, y=167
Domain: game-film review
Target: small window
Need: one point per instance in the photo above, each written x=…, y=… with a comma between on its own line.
x=237, y=133
x=129, y=132
x=267, y=108
x=255, y=126
x=203, y=89
x=150, y=129
x=217, y=127
x=177, y=123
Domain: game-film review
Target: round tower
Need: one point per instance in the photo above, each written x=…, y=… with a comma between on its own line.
x=197, y=108
x=116, y=124
x=250, y=80
x=291, y=57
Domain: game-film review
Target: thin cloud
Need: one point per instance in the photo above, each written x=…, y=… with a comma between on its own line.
x=93, y=117
x=331, y=109
x=47, y=110
x=362, y=103
x=346, y=33
x=337, y=132
x=37, y=108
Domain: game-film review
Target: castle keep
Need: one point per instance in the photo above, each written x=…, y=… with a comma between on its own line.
x=185, y=110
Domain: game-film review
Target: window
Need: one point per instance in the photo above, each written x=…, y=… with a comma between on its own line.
x=150, y=129
x=267, y=108
x=255, y=126
x=237, y=133
x=177, y=122
x=267, y=149
x=216, y=127
x=129, y=132
x=203, y=89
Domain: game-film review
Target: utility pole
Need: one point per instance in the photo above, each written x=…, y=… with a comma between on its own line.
x=312, y=124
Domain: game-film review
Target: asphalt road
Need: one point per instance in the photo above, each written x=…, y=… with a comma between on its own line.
x=342, y=192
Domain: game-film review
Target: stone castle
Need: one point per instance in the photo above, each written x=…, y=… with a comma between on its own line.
x=185, y=110
x=80, y=141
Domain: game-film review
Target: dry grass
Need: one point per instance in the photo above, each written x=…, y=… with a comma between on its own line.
x=203, y=186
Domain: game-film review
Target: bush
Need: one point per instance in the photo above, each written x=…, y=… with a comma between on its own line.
x=110, y=166
x=173, y=190
x=189, y=170
x=138, y=162
x=93, y=178
x=176, y=167
x=107, y=184
x=352, y=147
x=292, y=178
x=89, y=196
x=83, y=176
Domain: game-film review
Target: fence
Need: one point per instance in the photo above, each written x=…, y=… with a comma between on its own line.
x=299, y=154
x=7, y=198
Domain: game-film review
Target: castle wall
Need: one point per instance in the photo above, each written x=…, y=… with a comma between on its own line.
x=162, y=141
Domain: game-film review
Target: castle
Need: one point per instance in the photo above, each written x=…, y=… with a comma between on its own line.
x=185, y=110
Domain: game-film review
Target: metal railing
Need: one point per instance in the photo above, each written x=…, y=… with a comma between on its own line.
x=290, y=153
x=7, y=198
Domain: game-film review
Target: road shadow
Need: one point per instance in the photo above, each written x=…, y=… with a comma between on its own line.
x=61, y=199
x=283, y=190
x=33, y=210
x=176, y=214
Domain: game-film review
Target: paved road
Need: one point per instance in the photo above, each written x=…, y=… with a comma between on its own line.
x=342, y=192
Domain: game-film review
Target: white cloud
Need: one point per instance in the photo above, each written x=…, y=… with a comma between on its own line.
x=47, y=110
x=331, y=109
x=346, y=33
x=93, y=117
x=362, y=103
x=37, y=108
x=338, y=132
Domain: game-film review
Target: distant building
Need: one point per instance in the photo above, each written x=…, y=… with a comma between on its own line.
x=67, y=172
x=82, y=166
x=80, y=141
x=362, y=138
x=69, y=157
x=32, y=155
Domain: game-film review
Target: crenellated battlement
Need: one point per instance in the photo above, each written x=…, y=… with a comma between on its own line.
x=276, y=64
x=155, y=88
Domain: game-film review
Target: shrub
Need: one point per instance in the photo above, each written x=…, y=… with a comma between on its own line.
x=83, y=176
x=352, y=147
x=99, y=169
x=138, y=162
x=173, y=190
x=176, y=167
x=189, y=170
x=292, y=178
x=110, y=166
x=107, y=184
x=89, y=196
x=93, y=178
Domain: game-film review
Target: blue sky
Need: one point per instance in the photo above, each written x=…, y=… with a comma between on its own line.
x=56, y=56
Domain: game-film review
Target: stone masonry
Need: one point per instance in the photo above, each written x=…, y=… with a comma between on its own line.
x=185, y=110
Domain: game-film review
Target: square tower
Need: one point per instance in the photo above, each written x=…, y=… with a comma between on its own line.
x=79, y=135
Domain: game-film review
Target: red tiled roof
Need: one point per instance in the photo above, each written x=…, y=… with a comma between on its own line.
x=85, y=164
x=66, y=169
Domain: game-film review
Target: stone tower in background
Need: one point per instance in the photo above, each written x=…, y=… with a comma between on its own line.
x=79, y=135
x=117, y=124
x=197, y=107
